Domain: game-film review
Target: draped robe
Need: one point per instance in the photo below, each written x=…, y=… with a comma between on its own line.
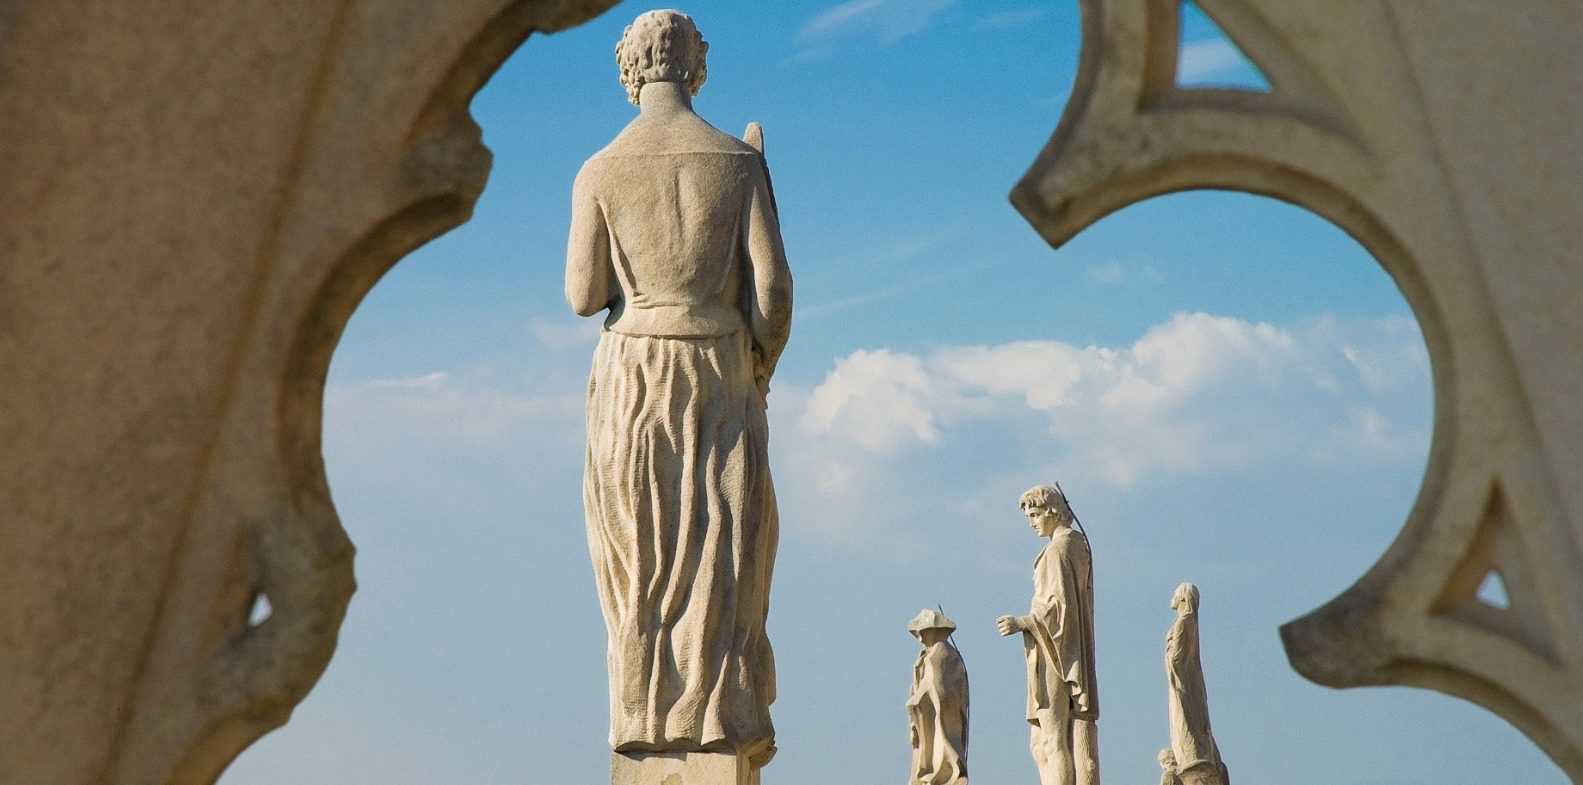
x=674, y=232
x=1058, y=644
x=937, y=708
x=1187, y=708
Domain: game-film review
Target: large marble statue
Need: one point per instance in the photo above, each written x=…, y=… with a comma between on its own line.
x=1196, y=757
x=674, y=234
x=1058, y=642
x=937, y=704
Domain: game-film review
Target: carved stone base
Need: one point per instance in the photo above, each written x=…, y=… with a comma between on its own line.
x=681, y=768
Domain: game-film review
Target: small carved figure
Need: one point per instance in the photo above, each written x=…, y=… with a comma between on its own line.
x=1168, y=773
x=937, y=705
x=1196, y=757
x=675, y=239
x=1058, y=644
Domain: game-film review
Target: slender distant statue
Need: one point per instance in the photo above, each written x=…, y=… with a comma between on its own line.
x=1058, y=642
x=937, y=704
x=1196, y=758
x=675, y=238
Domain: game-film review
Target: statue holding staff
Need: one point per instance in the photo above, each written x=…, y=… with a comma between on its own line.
x=1058, y=644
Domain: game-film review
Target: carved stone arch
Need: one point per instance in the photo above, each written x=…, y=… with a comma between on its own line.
x=208, y=191
x=1362, y=127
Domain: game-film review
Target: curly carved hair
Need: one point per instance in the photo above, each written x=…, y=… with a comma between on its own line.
x=1048, y=497
x=662, y=46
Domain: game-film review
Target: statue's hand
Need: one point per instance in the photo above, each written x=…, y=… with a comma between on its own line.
x=761, y=375
x=1008, y=625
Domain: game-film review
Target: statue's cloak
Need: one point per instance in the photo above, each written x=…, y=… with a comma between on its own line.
x=1187, y=708
x=938, y=708
x=1059, y=640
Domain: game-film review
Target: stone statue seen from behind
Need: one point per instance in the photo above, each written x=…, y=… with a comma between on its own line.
x=675, y=239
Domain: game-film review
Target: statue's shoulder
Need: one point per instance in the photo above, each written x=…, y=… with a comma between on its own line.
x=641, y=140
x=1070, y=544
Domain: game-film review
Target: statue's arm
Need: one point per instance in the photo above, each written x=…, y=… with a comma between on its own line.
x=588, y=262
x=1173, y=641
x=769, y=308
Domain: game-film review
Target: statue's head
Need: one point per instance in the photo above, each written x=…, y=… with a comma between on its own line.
x=1167, y=759
x=662, y=46
x=931, y=626
x=1185, y=600
x=1046, y=508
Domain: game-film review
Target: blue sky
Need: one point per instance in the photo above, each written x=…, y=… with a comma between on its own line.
x=1229, y=388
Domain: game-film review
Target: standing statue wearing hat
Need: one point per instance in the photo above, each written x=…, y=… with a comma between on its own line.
x=1058, y=644
x=937, y=705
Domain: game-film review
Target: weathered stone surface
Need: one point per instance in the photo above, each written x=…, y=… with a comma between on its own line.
x=1195, y=757
x=937, y=704
x=682, y=768
x=199, y=193
x=1058, y=645
x=1445, y=138
x=676, y=241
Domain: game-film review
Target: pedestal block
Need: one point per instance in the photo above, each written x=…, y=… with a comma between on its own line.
x=681, y=768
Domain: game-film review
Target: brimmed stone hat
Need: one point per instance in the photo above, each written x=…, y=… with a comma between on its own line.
x=930, y=619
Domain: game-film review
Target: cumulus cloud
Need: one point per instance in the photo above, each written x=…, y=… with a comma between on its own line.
x=891, y=20
x=1197, y=393
x=879, y=399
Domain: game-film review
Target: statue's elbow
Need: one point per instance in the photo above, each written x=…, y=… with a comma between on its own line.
x=585, y=303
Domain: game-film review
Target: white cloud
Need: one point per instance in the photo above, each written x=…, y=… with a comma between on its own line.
x=1200, y=60
x=1197, y=393
x=892, y=20
x=878, y=399
x=428, y=381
